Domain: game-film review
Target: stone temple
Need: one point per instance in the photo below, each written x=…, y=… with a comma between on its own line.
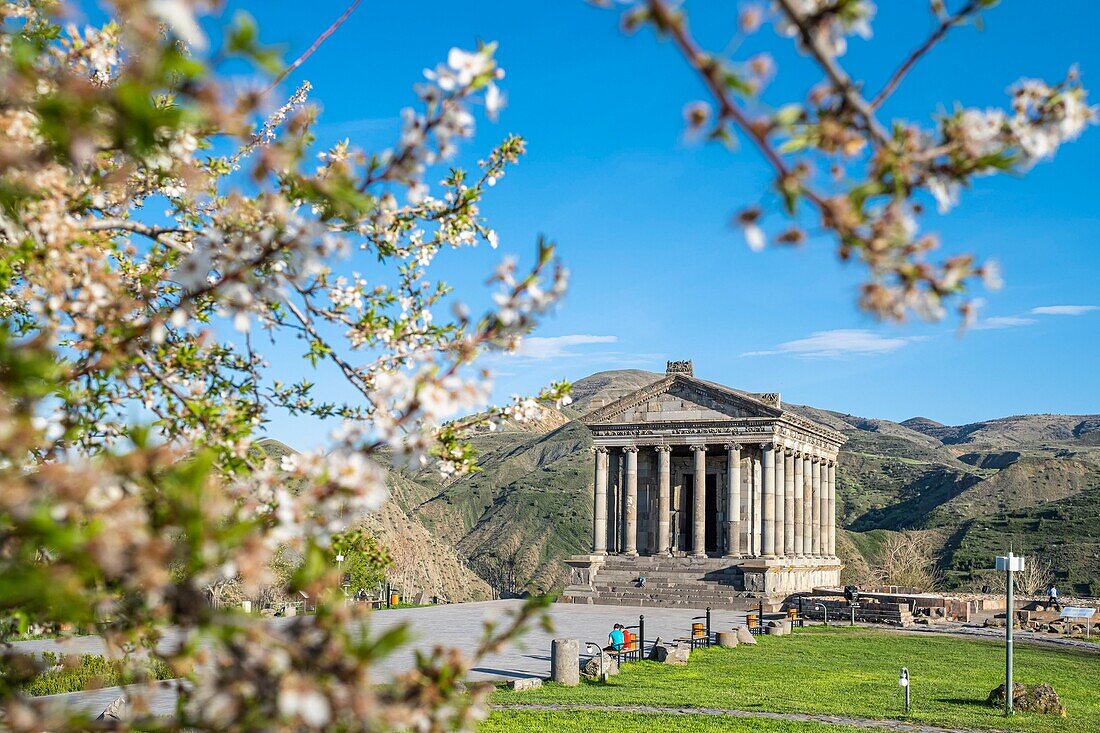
x=715, y=496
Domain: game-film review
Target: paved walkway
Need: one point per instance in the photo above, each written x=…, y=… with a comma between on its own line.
x=1037, y=638
x=455, y=626
x=893, y=725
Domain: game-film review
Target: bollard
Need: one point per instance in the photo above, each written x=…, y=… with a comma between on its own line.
x=565, y=662
x=641, y=637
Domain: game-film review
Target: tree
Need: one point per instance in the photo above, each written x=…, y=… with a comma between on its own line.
x=365, y=562
x=839, y=167
x=909, y=559
x=160, y=224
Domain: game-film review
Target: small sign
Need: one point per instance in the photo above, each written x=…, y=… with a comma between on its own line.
x=1012, y=563
x=1074, y=612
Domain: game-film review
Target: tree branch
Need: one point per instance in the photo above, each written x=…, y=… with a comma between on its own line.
x=316, y=44
x=836, y=74
x=129, y=225
x=970, y=8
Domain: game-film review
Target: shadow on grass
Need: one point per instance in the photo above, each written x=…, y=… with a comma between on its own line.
x=966, y=702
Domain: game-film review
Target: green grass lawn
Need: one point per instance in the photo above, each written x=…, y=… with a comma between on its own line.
x=593, y=722
x=843, y=671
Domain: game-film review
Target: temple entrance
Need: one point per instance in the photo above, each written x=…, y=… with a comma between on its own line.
x=710, y=534
x=710, y=508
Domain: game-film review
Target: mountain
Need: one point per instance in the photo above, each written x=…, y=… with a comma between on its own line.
x=1029, y=482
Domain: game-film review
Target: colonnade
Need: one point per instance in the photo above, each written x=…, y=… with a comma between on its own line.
x=788, y=511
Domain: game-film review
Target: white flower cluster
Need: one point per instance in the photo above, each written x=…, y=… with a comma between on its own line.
x=340, y=488
x=93, y=52
x=1044, y=117
x=408, y=407
x=831, y=27
x=447, y=119
x=517, y=303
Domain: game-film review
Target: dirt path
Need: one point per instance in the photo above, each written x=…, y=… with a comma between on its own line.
x=891, y=725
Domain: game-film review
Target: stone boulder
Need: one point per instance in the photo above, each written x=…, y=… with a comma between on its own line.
x=117, y=710
x=527, y=683
x=744, y=636
x=675, y=654
x=591, y=668
x=727, y=639
x=1035, y=699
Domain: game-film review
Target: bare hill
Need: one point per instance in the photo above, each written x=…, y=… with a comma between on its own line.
x=1015, y=431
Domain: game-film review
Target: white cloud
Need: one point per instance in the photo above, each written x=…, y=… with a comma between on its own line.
x=552, y=347
x=988, y=324
x=1063, y=310
x=839, y=342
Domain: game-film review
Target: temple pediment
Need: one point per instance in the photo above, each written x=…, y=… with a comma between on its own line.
x=682, y=398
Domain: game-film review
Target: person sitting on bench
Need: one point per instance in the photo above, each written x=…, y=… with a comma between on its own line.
x=615, y=639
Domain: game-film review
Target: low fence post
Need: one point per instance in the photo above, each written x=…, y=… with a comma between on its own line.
x=641, y=637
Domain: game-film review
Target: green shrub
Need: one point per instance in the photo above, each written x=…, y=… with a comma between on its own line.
x=90, y=672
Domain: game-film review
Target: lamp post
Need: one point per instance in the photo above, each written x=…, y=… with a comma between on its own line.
x=340, y=568
x=903, y=680
x=1010, y=564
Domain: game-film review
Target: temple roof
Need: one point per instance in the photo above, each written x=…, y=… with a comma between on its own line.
x=682, y=399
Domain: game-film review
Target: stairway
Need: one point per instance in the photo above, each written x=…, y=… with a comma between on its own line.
x=670, y=583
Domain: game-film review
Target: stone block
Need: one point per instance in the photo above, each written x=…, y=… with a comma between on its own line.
x=775, y=628
x=290, y=610
x=528, y=683
x=744, y=636
x=674, y=654
x=603, y=664
x=117, y=710
x=727, y=639
x=565, y=664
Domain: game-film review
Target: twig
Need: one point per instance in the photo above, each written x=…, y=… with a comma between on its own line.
x=316, y=44
x=836, y=74
x=970, y=8
x=710, y=73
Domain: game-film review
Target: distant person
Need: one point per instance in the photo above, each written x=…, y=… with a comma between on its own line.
x=1052, y=597
x=615, y=639
x=641, y=581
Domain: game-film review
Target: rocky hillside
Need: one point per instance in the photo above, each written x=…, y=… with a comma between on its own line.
x=1031, y=482
x=422, y=561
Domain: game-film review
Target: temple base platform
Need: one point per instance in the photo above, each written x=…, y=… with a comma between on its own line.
x=696, y=582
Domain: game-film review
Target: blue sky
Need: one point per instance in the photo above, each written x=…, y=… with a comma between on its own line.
x=642, y=218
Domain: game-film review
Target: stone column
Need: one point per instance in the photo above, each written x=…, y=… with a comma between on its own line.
x=664, y=507
x=788, y=504
x=799, y=512
x=630, y=503
x=817, y=511
x=767, y=503
x=780, y=501
x=699, y=507
x=807, y=505
x=755, y=502
x=599, y=506
x=733, y=500
x=832, y=509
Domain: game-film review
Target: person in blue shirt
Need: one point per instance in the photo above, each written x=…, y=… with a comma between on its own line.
x=615, y=639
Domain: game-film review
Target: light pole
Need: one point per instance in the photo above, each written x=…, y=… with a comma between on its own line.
x=340, y=568
x=903, y=680
x=1010, y=564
